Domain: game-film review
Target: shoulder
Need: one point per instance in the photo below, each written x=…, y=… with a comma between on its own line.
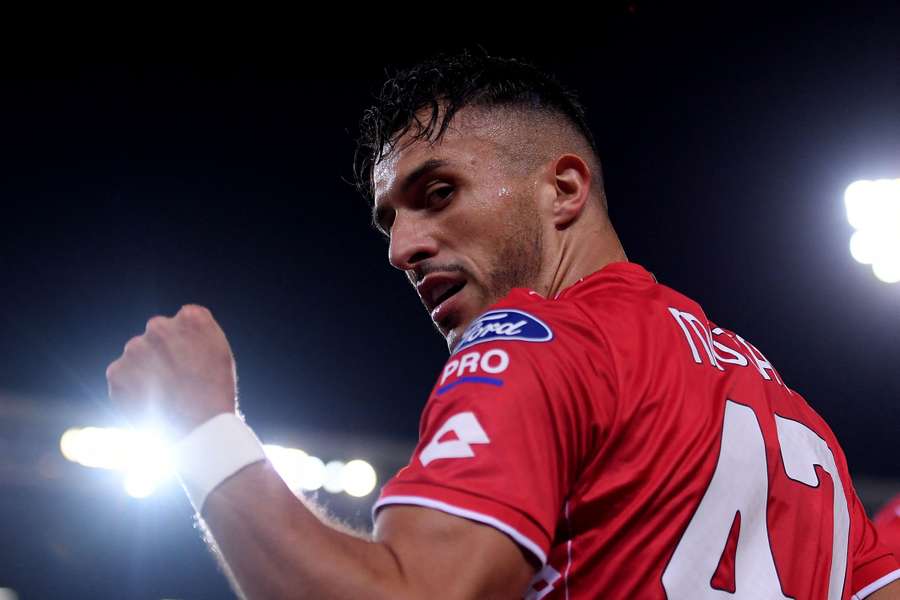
x=531, y=327
x=523, y=343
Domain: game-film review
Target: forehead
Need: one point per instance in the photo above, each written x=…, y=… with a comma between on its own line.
x=471, y=139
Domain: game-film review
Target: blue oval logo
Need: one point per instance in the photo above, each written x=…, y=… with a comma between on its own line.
x=505, y=325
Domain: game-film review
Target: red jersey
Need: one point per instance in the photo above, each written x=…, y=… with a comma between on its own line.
x=887, y=522
x=639, y=451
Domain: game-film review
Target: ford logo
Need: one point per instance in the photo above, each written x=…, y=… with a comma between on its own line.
x=505, y=325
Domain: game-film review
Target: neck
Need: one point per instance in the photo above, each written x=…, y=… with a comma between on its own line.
x=579, y=252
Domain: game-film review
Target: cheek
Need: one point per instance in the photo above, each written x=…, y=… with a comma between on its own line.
x=482, y=226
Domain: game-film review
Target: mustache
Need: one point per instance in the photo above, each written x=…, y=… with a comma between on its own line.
x=419, y=273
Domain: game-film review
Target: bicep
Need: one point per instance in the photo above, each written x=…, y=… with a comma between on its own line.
x=444, y=556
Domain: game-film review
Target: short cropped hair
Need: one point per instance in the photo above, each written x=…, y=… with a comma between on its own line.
x=447, y=83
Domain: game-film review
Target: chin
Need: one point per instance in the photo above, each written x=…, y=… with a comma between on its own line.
x=454, y=332
x=455, y=322
x=454, y=337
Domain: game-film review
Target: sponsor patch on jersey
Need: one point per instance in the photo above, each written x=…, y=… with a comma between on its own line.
x=508, y=324
x=469, y=367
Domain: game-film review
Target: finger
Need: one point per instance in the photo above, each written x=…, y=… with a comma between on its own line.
x=195, y=313
x=144, y=354
x=113, y=374
x=157, y=326
x=194, y=316
x=158, y=334
x=119, y=382
x=134, y=347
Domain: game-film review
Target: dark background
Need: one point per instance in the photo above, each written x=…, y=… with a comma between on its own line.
x=135, y=180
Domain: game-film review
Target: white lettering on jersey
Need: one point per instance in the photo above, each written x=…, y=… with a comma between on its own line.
x=734, y=357
x=499, y=365
x=716, y=352
x=468, y=431
x=493, y=361
x=700, y=331
x=468, y=362
x=762, y=365
x=542, y=583
x=449, y=369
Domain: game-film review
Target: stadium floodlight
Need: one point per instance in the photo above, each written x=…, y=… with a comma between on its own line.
x=333, y=483
x=142, y=455
x=148, y=463
x=299, y=470
x=312, y=474
x=358, y=478
x=96, y=447
x=144, y=458
x=873, y=209
x=289, y=463
x=139, y=484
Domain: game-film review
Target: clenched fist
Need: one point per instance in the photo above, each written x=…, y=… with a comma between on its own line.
x=180, y=370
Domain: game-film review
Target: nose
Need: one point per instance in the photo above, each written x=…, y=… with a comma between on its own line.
x=412, y=241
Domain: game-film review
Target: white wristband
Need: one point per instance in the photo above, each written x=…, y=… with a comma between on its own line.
x=213, y=452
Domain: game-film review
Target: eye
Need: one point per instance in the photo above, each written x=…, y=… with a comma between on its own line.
x=439, y=194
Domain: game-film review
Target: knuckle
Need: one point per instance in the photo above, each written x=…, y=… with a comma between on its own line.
x=195, y=312
x=112, y=370
x=133, y=345
x=156, y=324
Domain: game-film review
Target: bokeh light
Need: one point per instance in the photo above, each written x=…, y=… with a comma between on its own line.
x=873, y=209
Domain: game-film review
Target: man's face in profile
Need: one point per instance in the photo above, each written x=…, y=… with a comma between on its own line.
x=462, y=223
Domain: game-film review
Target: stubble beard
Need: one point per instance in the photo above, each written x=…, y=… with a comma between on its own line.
x=517, y=264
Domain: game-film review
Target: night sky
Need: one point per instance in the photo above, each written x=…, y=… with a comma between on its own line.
x=135, y=182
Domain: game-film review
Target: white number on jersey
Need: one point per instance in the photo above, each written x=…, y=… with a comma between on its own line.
x=801, y=451
x=740, y=484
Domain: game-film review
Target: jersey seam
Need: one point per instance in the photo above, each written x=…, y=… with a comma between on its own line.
x=423, y=489
x=478, y=516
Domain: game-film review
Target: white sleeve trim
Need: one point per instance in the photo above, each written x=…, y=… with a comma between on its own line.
x=876, y=585
x=466, y=514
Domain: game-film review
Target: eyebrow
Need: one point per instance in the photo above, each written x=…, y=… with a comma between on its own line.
x=409, y=181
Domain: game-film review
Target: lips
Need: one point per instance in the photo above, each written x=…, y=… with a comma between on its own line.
x=437, y=288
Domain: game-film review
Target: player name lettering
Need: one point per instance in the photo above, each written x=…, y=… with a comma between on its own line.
x=711, y=341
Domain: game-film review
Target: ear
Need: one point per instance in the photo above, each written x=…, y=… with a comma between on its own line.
x=573, y=189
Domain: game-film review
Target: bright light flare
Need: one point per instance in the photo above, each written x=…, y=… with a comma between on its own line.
x=873, y=209
x=333, y=483
x=313, y=474
x=288, y=462
x=300, y=471
x=143, y=456
x=97, y=447
x=358, y=478
x=145, y=459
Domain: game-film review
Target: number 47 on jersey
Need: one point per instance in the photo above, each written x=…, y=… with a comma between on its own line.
x=740, y=484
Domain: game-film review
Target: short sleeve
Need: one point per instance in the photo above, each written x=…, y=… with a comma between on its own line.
x=501, y=439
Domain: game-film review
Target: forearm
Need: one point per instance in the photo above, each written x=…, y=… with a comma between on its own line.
x=272, y=546
x=276, y=547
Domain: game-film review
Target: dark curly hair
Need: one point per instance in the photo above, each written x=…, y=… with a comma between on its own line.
x=453, y=81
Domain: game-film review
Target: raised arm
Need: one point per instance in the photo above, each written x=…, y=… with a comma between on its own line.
x=182, y=370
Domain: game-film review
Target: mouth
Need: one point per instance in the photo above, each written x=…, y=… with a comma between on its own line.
x=436, y=289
